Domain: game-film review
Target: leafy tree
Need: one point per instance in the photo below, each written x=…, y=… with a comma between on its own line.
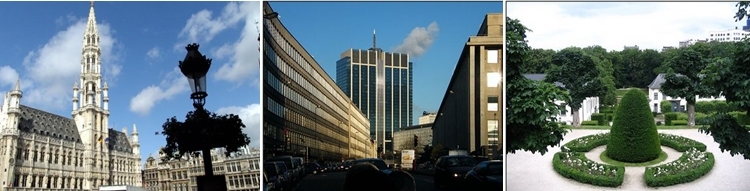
x=531, y=123
x=684, y=79
x=578, y=72
x=633, y=137
x=604, y=65
x=202, y=130
x=437, y=151
x=732, y=78
x=537, y=61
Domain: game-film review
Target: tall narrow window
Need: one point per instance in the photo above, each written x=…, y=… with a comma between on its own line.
x=492, y=56
x=492, y=103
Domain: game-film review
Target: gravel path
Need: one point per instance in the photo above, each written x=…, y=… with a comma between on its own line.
x=527, y=171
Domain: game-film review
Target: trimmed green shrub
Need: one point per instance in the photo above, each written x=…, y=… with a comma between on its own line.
x=586, y=143
x=682, y=116
x=679, y=122
x=589, y=123
x=666, y=106
x=692, y=165
x=658, y=123
x=742, y=117
x=633, y=137
x=705, y=106
x=600, y=118
x=733, y=107
x=668, y=117
x=576, y=166
x=680, y=143
x=721, y=106
x=701, y=118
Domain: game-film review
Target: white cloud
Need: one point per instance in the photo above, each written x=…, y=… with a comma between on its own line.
x=243, y=63
x=615, y=25
x=54, y=67
x=8, y=76
x=250, y=116
x=153, y=53
x=173, y=84
x=419, y=40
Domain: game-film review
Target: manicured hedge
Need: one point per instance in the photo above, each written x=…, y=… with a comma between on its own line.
x=742, y=117
x=586, y=143
x=609, y=175
x=688, y=168
x=633, y=137
x=600, y=118
x=666, y=107
x=589, y=123
x=679, y=122
x=680, y=143
x=668, y=117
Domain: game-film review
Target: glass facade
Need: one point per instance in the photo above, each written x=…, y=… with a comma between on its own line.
x=384, y=97
x=305, y=112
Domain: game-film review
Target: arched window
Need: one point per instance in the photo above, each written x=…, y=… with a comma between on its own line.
x=88, y=40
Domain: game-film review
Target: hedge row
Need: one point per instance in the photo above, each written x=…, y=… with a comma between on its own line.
x=589, y=123
x=691, y=170
x=586, y=143
x=679, y=122
x=614, y=179
x=715, y=106
x=680, y=143
x=678, y=118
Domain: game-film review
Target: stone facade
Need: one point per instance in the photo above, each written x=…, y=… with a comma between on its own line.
x=41, y=150
x=242, y=171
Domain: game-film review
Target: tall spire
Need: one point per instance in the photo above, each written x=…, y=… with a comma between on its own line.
x=374, y=38
x=91, y=23
x=18, y=85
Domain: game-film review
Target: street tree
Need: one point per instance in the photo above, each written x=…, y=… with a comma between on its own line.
x=684, y=79
x=577, y=71
x=200, y=130
x=531, y=111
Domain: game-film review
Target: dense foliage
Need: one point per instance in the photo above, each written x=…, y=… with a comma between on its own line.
x=530, y=122
x=683, y=80
x=573, y=68
x=202, y=130
x=633, y=137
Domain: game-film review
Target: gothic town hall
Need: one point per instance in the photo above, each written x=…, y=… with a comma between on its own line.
x=51, y=152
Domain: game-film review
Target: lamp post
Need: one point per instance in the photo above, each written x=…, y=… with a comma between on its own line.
x=194, y=67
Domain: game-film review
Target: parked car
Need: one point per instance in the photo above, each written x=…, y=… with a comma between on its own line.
x=345, y=165
x=300, y=167
x=486, y=175
x=450, y=170
x=290, y=165
x=380, y=163
x=276, y=175
x=313, y=168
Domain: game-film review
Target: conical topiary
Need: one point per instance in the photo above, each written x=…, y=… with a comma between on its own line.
x=633, y=137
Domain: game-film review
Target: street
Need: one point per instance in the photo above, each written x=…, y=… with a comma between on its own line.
x=334, y=181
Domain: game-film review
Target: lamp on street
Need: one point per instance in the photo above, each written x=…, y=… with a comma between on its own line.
x=194, y=67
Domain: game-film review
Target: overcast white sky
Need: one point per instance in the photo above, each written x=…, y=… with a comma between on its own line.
x=615, y=25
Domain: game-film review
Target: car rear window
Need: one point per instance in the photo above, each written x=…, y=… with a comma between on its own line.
x=460, y=161
x=378, y=163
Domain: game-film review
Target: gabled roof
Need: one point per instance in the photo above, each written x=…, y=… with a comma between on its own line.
x=47, y=124
x=656, y=84
x=119, y=141
x=540, y=77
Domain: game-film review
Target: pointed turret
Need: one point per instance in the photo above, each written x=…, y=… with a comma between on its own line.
x=134, y=141
x=125, y=130
x=15, y=96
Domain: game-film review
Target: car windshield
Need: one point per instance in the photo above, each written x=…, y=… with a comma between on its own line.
x=378, y=163
x=495, y=168
x=270, y=169
x=460, y=161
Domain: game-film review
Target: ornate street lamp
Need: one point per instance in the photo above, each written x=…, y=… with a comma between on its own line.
x=194, y=67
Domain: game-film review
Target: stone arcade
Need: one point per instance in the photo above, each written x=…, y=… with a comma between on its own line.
x=43, y=150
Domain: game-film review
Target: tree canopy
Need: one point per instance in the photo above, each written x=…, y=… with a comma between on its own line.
x=202, y=130
x=530, y=122
x=580, y=75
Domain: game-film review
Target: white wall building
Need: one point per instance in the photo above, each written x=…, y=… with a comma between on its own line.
x=427, y=118
x=589, y=106
x=731, y=35
x=655, y=97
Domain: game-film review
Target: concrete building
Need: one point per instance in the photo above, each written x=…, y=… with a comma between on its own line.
x=589, y=106
x=379, y=83
x=241, y=170
x=404, y=138
x=427, y=118
x=655, y=96
x=470, y=113
x=305, y=113
x=731, y=35
x=51, y=152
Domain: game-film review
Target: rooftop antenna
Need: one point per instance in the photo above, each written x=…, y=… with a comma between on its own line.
x=374, y=38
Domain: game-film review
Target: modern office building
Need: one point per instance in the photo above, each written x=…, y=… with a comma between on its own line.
x=426, y=118
x=242, y=171
x=470, y=115
x=305, y=113
x=406, y=137
x=380, y=84
x=731, y=35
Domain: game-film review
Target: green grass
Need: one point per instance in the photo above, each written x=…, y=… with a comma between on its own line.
x=621, y=92
x=662, y=157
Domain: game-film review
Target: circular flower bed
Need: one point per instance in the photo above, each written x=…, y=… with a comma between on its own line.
x=572, y=163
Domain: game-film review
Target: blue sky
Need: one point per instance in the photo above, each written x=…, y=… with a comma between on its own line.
x=434, y=33
x=142, y=43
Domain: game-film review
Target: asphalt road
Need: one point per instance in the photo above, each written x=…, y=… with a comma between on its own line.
x=334, y=181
